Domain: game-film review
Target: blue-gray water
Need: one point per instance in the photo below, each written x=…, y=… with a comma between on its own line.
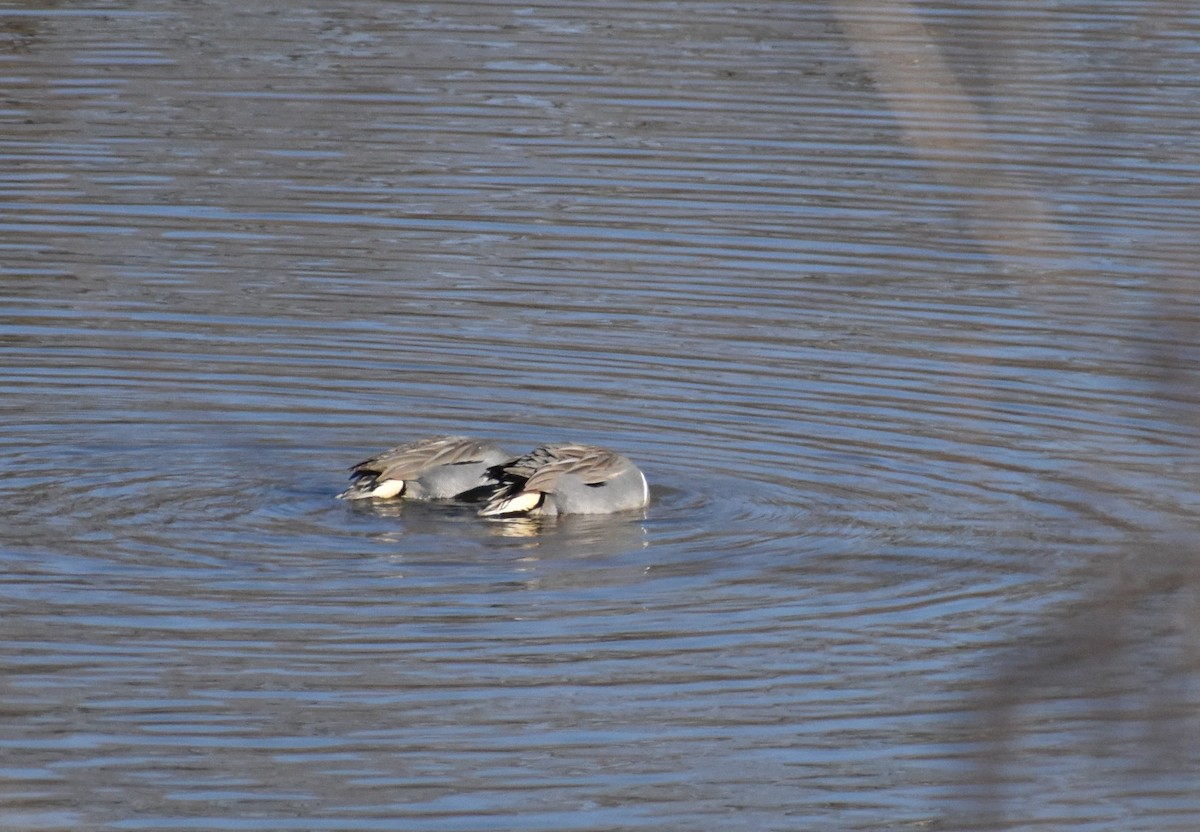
x=896, y=308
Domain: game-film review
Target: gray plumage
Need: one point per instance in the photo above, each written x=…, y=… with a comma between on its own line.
x=566, y=479
x=434, y=468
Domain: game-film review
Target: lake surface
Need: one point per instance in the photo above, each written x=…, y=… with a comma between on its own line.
x=897, y=309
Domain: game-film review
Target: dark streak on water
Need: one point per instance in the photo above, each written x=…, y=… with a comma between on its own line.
x=245, y=244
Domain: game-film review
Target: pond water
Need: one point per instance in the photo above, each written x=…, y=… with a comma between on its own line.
x=895, y=307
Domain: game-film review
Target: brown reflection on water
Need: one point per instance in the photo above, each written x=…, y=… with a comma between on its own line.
x=1121, y=659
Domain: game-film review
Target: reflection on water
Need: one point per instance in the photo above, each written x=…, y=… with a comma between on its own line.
x=894, y=308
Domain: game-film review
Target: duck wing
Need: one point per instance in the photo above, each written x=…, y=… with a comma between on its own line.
x=522, y=482
x=410, y=460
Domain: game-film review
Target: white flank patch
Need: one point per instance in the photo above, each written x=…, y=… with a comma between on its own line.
x=525, y=501
x=645, y=489
x=387, y=489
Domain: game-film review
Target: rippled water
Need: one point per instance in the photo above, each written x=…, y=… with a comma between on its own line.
x=894, y=308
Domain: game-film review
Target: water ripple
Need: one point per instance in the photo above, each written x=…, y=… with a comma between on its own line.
x=888, y=419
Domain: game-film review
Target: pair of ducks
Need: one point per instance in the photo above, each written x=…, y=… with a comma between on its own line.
x=566, y=478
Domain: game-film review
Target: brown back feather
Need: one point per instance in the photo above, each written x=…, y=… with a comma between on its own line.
x=411, y=459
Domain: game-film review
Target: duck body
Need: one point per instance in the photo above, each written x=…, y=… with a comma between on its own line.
x=434, y=468
x=566, y=478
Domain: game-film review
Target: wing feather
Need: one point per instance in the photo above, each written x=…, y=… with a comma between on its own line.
x=539, y=472
x=410, y=460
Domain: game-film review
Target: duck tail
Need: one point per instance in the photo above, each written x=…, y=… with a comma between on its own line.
x=522, y=502
x=369, y=487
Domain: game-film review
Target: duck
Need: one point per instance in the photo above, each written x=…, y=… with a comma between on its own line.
x=433, y=468
x=565, y=478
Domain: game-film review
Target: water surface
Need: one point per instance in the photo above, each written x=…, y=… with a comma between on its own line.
x=895, y=309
